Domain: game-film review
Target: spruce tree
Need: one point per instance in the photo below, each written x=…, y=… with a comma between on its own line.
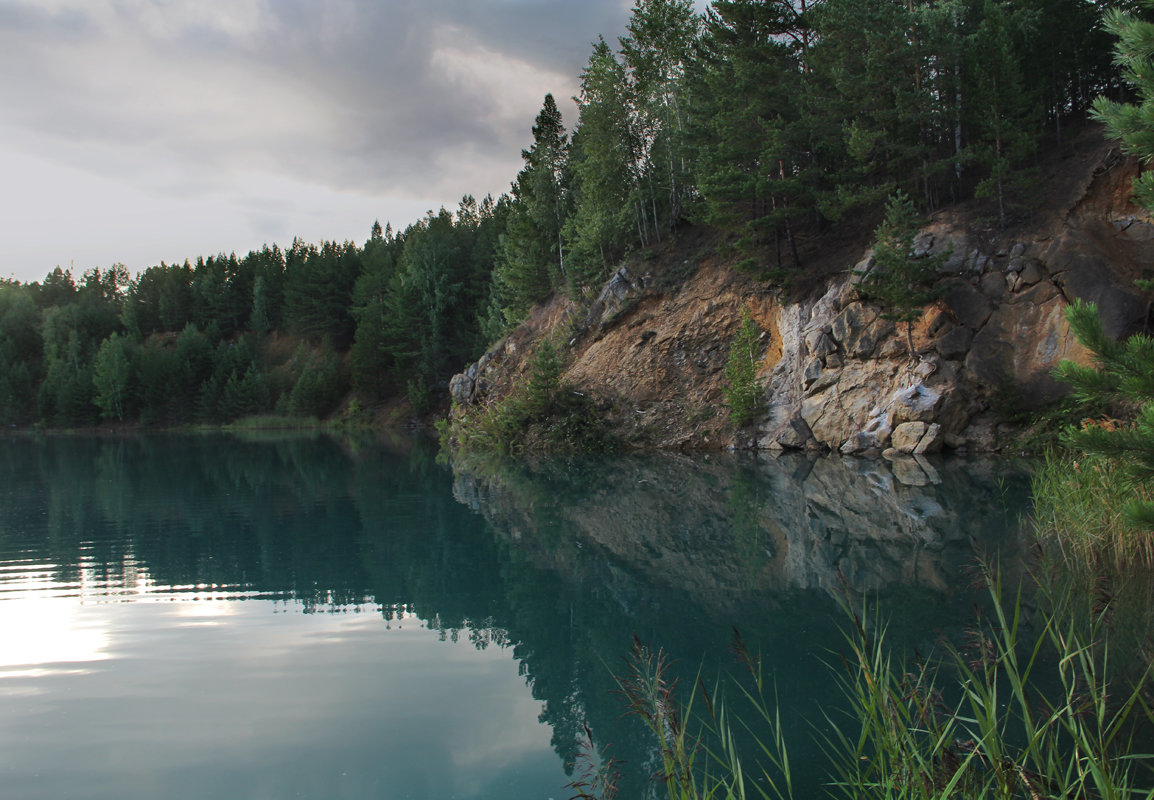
x=1006, y=112
x=599, y=225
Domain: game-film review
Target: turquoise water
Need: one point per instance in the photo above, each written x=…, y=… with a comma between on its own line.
x=288, y=616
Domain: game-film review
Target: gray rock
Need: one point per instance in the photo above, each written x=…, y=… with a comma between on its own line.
x=954, y=344
x=931, y=441
x=923, y=244
x=819, y=343
x=970, y=307
x=1020, y=345
x=461, y=388
x=1031, y=273
x=907, y=436
x=1081, y=263
x=955, y=263
x=993, y=285
x=794, y=434
x=812, y=372
x=1134, y=230
x=917, y=403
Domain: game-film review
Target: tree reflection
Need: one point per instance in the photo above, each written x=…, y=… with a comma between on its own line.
x=559, y=562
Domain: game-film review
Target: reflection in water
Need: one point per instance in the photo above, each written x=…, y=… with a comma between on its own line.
x=732, y=530
x=155, y=562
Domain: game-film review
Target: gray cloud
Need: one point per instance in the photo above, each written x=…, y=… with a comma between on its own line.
x=231, y=114
x=347, y=92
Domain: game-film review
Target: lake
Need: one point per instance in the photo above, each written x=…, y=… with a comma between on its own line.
x=295, y=616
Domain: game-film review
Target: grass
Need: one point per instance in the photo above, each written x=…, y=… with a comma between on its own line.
x=1030, y=706
x=1079, y=509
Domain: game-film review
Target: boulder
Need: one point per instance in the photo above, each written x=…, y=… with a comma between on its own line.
x=859, y=328
x=970, y=307
x=993, y=285
x=846, y=408
x=793, y=435
x=461, y=387
x=917, y=403
x=819, y=344
x=931, y=441
x=907, y=436
x=1031, y=273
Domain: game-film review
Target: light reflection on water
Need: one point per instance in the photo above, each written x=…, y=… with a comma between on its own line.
x=214, y=617
x=156, y=699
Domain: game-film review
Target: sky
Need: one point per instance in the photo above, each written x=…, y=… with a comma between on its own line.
x=141, y=131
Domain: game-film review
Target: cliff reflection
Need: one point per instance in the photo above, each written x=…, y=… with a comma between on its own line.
x=726, y=531
x=560, y=563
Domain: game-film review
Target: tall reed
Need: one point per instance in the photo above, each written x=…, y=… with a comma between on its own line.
x=1030, y=706
x=1080, y=507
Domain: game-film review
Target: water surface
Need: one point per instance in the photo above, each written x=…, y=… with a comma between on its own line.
x=214, y=616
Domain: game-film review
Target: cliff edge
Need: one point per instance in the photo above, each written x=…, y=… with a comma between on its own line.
x=653, y=344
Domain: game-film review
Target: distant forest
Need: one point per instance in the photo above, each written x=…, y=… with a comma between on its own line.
x=770, y=121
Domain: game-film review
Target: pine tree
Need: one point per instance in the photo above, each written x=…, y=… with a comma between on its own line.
x=900, y=281
x=532, y=259
x=748, y=82
x=601, y=219
x=1124, y=373
x=1007, y=113
x=1133, y=123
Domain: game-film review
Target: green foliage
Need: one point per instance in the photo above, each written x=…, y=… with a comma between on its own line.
x=531, y=259
x=767, y=120
x=20, y=354
x=1021, y=710
x=113, y=377
x=601, y=220
x=1080, y=507
x=1133, y=123
x=319, y=284
x=542, y=415
x=743, y=392
x=900, y=281
x=1122, y=377
x=748, y=89
x=1007, y=114
x=319, y=387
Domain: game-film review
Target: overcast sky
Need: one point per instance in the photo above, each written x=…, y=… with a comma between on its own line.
x=137, y=131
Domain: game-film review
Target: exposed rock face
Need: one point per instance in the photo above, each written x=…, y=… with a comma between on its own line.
x=837, y=373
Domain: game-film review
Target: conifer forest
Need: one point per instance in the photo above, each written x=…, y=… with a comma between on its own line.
x=769, y=121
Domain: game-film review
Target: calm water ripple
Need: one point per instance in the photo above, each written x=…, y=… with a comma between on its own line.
x=293, y=616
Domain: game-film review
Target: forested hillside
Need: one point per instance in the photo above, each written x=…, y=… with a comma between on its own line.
x=772, y=122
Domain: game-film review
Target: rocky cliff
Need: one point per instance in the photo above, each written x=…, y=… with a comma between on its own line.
x=653, y=344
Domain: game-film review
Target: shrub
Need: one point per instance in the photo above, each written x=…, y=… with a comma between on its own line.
x=743, y=391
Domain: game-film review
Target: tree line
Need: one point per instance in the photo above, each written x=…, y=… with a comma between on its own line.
x=771, y=120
